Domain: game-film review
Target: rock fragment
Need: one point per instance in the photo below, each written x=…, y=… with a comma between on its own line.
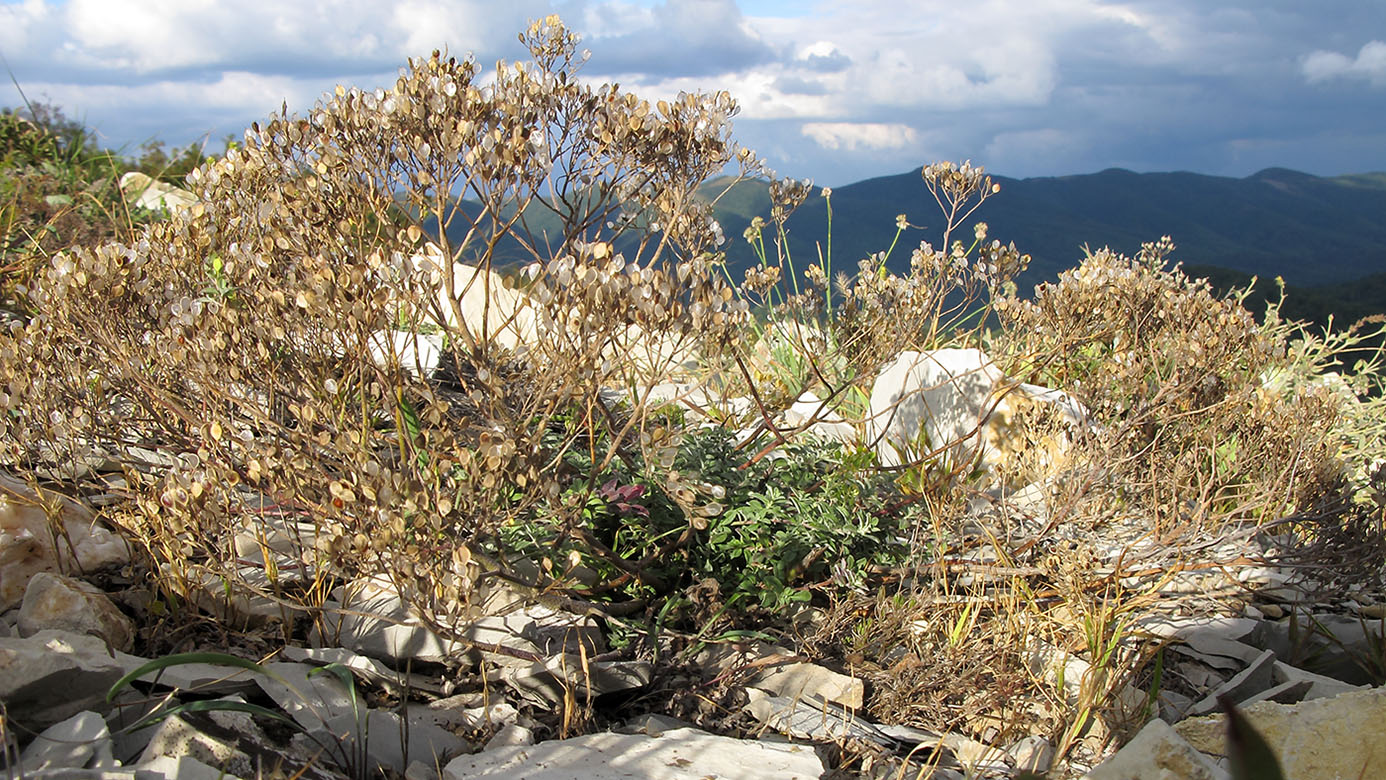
x=682, y=754
x=1157, y=753
x=53, y=601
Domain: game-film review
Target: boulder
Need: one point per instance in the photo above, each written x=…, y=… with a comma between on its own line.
x=491, y=310
x=955, y=407
x=58, y=602
x=41, y=530
x=416, y=353
x=934, y=401
x=33, y=668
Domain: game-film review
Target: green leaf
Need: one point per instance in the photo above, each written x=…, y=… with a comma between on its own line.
x=411, y=418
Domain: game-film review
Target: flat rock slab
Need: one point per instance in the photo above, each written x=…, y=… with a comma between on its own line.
x=681, y=754
x=33, y=668
x=817, y=720
x=805, y=680
x=72, y=744
x=1251, y=681
x=1320, y=687
x=1339, y=738
x=1157, y=753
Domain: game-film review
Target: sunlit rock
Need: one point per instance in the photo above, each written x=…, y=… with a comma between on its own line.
x=41, y=530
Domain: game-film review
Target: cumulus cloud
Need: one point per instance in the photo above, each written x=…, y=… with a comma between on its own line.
x=1370, y=64
x=20, y=21
x=132, y=40
x=676, y=38
x=1152, y=84
x=852, y=136
x=793, y=85
x=823, y=57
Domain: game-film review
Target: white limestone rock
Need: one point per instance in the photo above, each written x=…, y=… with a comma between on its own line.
x=416, y=353
x=1320, y=687
x=53, y=601
x=368, y=616
x=1157, y=753
x=33, y=668
x=811, y=681
x=145, y=192
x=175, y=738
x=490, y=310
x=1032, y=754
x=80, y=742
x=682, y=754
x=513, y=735
x=817, y=419
x=924, y=402
x=1338, y=738
x=41, y=530
x=956, y=406
x=1054, y=664
x=183, y=768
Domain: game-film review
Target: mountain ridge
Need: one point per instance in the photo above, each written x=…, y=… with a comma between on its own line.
x=1311, y=230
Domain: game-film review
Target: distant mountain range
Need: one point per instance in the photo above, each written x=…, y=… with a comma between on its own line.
x=1326, y=236
x=1311, y=230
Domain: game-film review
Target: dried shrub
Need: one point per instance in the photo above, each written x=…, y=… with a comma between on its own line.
x=251, y=362
x=1191, y=429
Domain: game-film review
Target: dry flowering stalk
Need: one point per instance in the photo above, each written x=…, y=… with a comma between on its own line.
x=1175, y=374
x=242, y=362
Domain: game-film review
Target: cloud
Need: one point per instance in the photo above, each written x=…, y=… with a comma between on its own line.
x=1370, y=64
x=1012, y=150
x=793, y=85
x=134, y=40
x=1036, y=88
x=852, y=136
x=823, y=57
x=676, y=38
x=19, y=22
x=126, y=115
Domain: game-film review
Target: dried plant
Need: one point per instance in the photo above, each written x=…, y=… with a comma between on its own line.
x=1194, y=430
x=253, y=361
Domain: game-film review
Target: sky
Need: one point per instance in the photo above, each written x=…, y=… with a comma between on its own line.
x=835, y=91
